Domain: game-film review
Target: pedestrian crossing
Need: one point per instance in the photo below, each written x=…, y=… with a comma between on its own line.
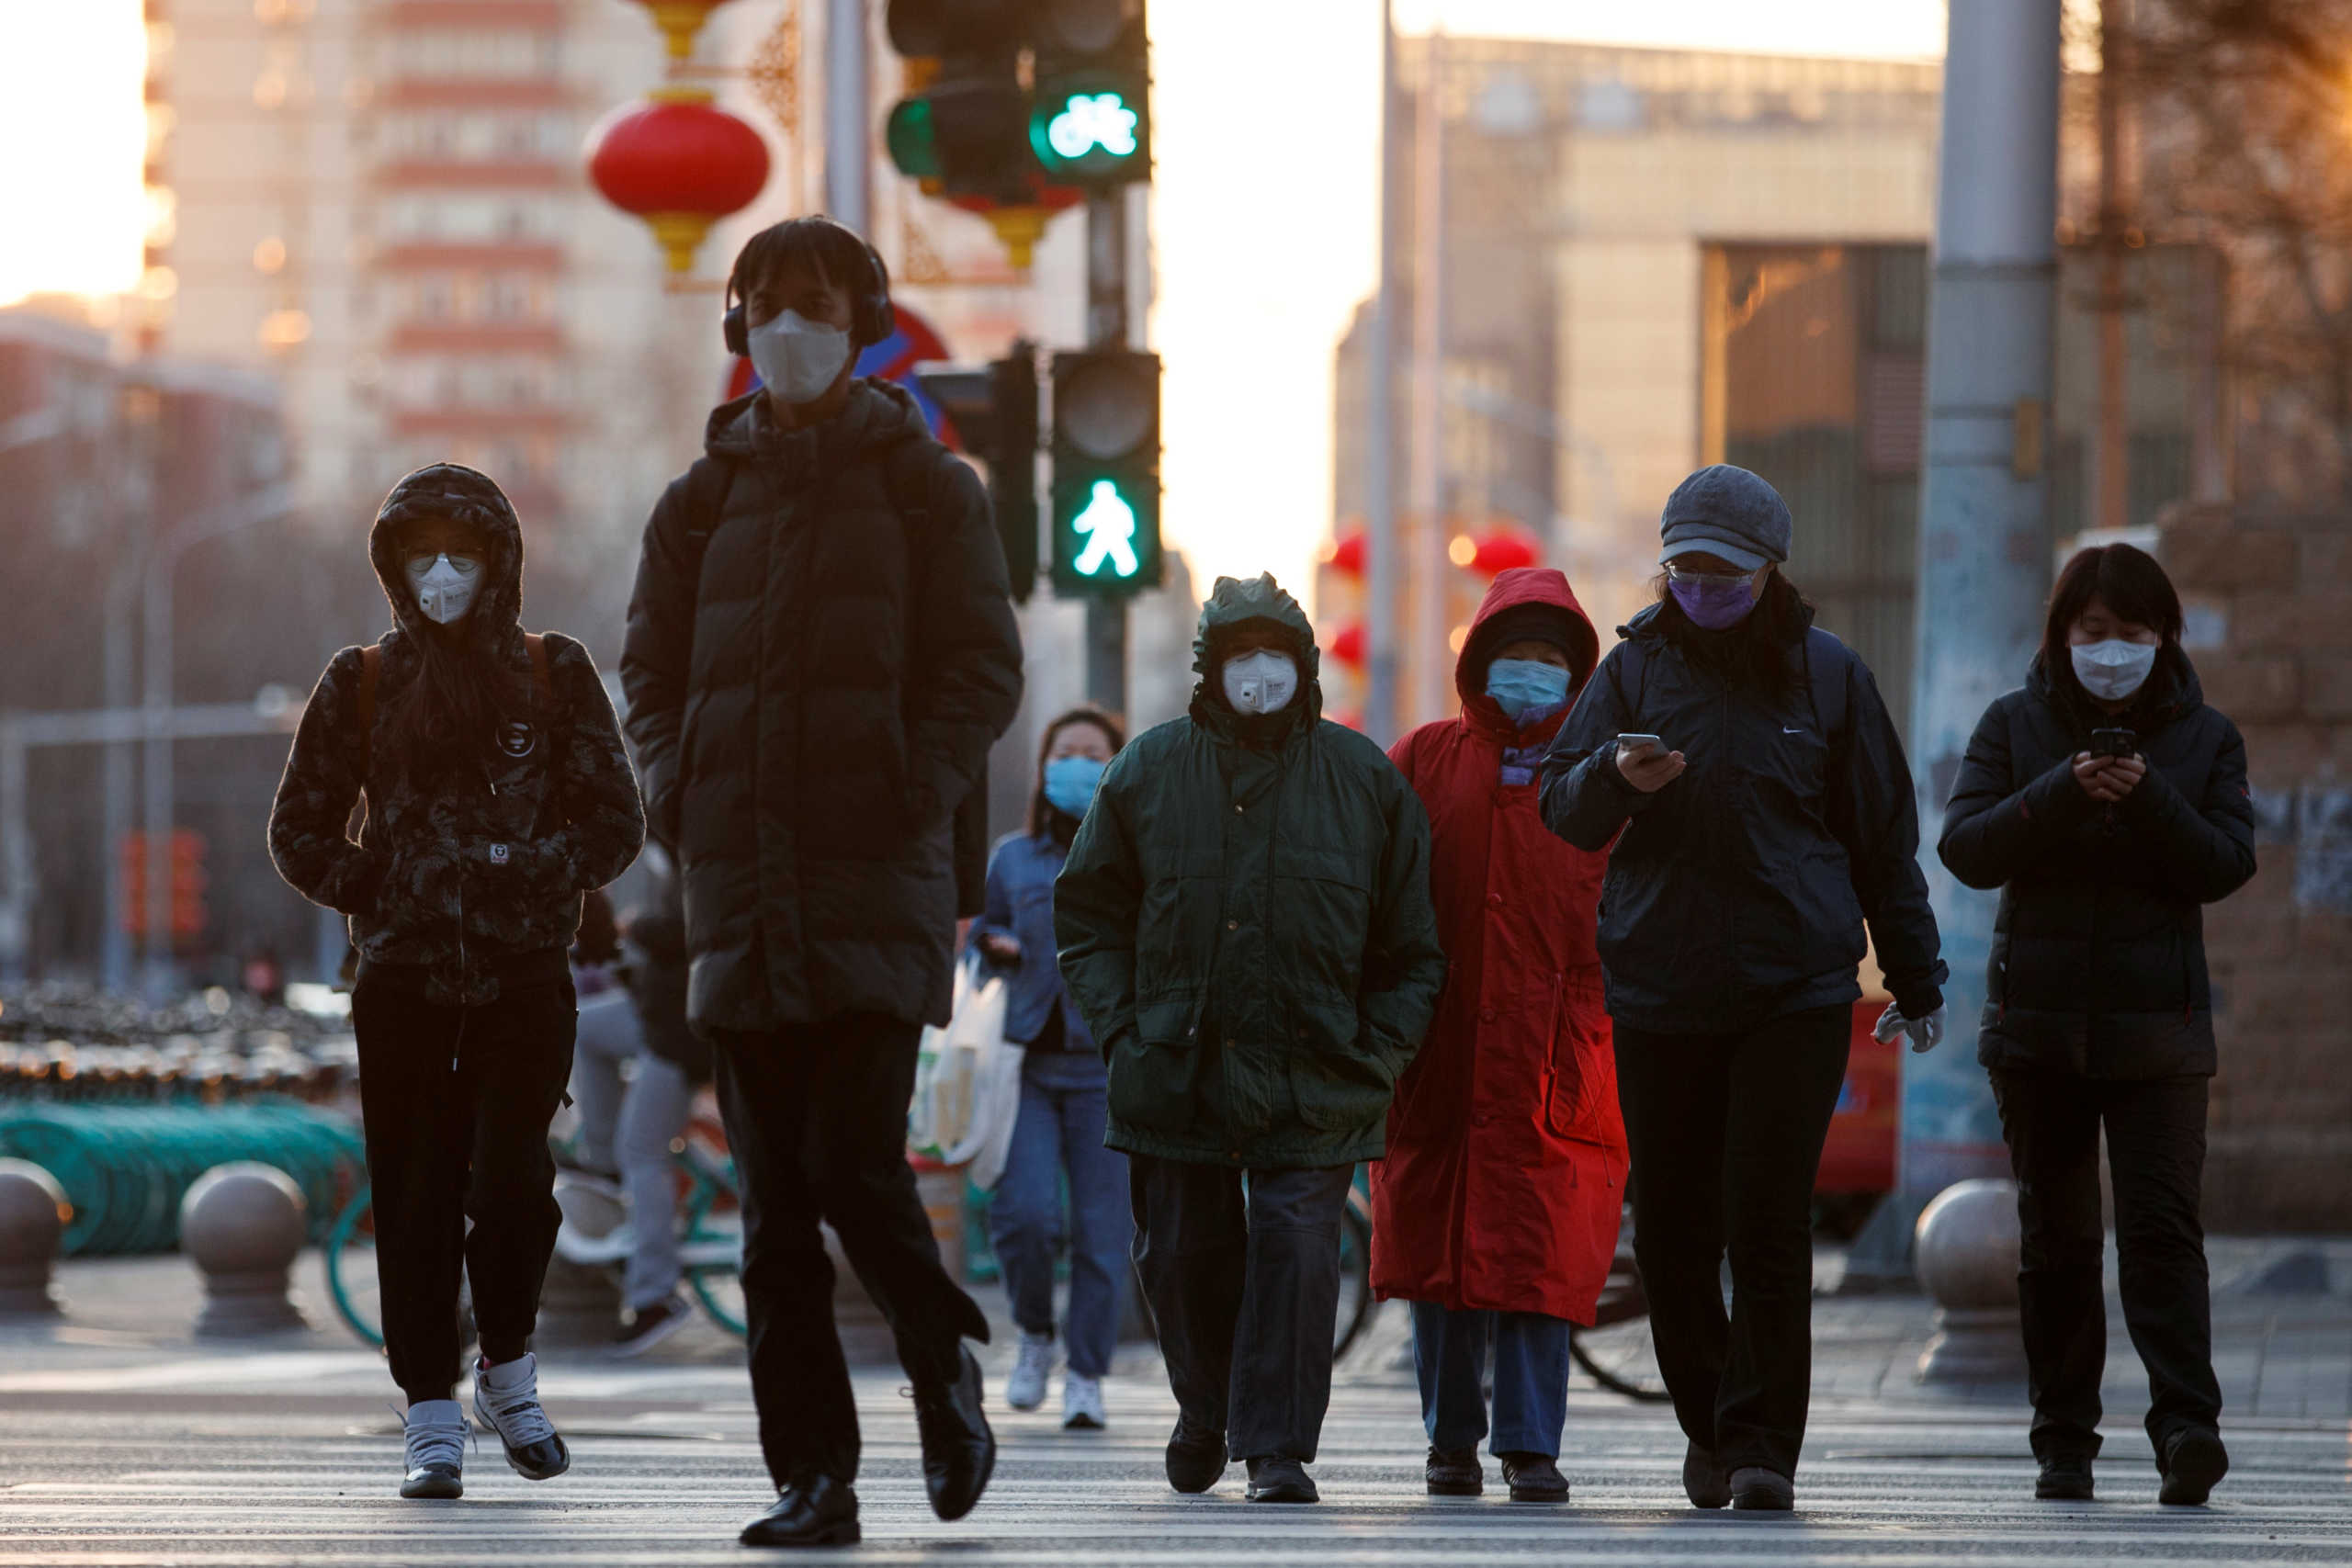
x=257, y=1479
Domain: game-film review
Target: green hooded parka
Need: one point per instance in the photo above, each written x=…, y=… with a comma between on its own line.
x=1245, y=922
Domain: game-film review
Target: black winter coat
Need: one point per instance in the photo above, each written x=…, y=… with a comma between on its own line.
x=1738, y=892
x=812, y=701
x=456, y=881
x=2099, y=951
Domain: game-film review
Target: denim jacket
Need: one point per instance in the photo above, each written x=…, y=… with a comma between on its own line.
x=1021, y=906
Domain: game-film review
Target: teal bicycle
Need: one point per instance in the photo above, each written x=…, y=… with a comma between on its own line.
x=596, y=1235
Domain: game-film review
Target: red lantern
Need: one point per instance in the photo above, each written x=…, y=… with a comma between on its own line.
x=1501, y=549
x=1346, y=645
x=678, y=164
x=1345, y=554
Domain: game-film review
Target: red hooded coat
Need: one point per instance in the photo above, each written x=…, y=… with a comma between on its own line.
x=1506, y=1164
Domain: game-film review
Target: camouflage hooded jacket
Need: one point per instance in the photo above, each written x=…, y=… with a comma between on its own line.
x=458, y=878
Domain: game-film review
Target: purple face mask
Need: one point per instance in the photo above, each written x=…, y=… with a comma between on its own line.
x=1713, y=603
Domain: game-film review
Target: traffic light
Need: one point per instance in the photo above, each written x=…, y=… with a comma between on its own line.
x=1090, y=122
x=992, y=412
x=1106, y=473
x=961, y=132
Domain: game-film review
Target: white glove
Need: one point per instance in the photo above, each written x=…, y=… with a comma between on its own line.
x=1926, y=1034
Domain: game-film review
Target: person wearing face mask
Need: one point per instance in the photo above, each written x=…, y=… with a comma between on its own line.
x=1245, y=924
x=821, y=652
x=2109, y=804
x=498, y=795
x=1750, y=842
x=1057, y=1135
x=1496, y=1211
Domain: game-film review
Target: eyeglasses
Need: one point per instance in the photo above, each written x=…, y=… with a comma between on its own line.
x=1691, y=577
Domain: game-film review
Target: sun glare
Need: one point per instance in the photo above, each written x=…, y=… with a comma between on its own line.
x=73, y=134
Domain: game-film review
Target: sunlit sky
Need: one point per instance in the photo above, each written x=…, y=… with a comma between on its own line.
x=1265, y=133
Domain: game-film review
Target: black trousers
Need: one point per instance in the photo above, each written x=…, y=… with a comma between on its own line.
x=1244, y=1293
x=1725, y=1132
x=2156, y=1150
x=817, y=1117
x=456, y=1103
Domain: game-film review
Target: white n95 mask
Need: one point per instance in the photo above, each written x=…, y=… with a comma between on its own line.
x=1262, y=681
x=797, y=357
x=445, y=585
x=2113, y=669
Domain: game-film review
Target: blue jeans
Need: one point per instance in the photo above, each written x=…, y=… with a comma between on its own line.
x=1531, y=1378
x=1064, y=1111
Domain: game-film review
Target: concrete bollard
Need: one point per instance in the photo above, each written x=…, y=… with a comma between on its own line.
x=33, y=1216
x=242, y=1224
x=1966, y=1252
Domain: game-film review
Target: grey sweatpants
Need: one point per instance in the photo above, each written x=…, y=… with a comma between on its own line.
x=630, y=1129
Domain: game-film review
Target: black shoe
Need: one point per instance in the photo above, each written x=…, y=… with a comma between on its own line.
x=647, y=1326
x=1756, y=1489
x=819, y=1511
x=1455, y=1473
x=958, y=1450
x=2194, y=1461
x=1535, y=1478
x=2065, y=1478
x=1196, y=1459
x=1703, y=1481
x=1281, y=1481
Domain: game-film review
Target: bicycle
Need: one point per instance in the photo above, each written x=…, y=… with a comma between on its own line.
x=1616, y=1352
x=710, y=1250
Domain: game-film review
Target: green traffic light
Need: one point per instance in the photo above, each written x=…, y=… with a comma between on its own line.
x=912, y=138
x=1091, y=120
x=1108, y=525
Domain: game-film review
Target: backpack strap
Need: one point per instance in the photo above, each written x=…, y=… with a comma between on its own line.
x=542, y=678
x=371, y=665
x=1824, y=683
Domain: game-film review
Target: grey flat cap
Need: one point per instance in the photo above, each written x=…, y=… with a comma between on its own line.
x=1727, y=512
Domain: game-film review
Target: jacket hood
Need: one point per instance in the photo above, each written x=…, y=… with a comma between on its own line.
x=1521, y=586
x=463, y=495
x=2172, y=690
x=1233, y=603
x=877, y=414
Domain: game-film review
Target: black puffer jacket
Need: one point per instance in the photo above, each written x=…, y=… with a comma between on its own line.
x=812, y=703
x=460, y=880
x=1738, y=892
x=2099, y=951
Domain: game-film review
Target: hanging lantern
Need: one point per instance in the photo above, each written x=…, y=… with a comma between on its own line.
x=1345, y=554
x=1020, y=224
x=1494, y=552
x=1346, y=645
x=679, y=164
x=680, y=20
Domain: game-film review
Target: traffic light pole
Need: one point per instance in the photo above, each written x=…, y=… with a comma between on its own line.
x=1106, y=327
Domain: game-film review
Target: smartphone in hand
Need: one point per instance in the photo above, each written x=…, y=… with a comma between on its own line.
x=1640, y=745
x=2116, y=742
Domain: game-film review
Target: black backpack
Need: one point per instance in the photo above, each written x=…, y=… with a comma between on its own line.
x=905, y=476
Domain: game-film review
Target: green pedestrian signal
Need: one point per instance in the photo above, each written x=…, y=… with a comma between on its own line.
x=1108, y=525
x=1106, y=473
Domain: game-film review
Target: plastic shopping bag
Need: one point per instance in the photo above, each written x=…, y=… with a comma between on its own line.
x=967, y=1078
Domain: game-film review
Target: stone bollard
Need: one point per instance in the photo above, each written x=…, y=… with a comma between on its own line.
x=1966, y=1256
x=33, y=1216
x=242, y=1224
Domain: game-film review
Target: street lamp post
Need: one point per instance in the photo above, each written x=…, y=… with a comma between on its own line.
x=162, y=561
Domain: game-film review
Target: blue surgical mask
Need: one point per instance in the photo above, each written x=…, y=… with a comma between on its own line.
x=1527, y=689
x=1070, y=783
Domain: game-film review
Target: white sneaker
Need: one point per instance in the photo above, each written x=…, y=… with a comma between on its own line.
x=1025, y=1389
x=1081, y=1403
x=506, y=1401
x=437, y=1449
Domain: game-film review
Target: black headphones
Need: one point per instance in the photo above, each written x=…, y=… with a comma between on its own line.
x=871, y=317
